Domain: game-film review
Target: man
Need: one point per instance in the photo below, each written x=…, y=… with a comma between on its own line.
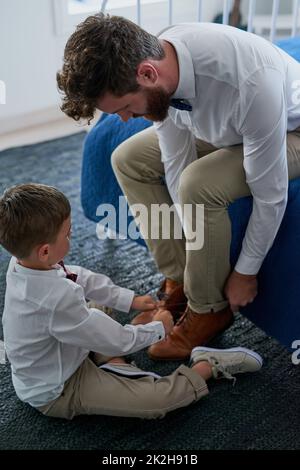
x=237, y=134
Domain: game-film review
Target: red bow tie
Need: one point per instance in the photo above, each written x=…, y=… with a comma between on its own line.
x=69, y=275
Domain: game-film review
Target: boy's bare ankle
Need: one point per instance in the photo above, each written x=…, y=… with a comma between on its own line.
x=204, y=369
x=116, y=360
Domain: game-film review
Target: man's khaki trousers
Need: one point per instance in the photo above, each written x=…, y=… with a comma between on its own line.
x=215, y=179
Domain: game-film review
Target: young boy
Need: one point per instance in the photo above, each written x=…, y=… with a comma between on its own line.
x=49, y=330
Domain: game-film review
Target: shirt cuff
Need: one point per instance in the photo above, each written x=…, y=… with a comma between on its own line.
x=248, y=264
x=124, y=299
x=160, y=331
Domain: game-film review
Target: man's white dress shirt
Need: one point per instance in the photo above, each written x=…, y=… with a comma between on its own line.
x=243, y=90
x=49, y=330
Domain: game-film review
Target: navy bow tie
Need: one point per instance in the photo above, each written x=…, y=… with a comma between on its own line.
x=181, y=104
x=69, y=275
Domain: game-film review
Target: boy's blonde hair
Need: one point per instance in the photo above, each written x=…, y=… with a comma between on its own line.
x=31, y=215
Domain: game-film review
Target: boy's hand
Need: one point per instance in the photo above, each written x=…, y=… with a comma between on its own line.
x=167, y=319
x=143, y=302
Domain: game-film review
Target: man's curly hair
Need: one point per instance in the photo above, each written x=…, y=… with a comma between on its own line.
x=102, y=56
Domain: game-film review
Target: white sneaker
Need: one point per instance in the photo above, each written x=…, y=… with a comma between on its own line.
x=227, y=362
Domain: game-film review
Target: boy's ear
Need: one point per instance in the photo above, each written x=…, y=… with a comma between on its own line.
x=43, y=252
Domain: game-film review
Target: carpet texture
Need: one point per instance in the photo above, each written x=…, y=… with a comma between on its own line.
x=260, y=412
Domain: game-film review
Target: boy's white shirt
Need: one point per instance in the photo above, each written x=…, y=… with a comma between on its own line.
x=49, y=330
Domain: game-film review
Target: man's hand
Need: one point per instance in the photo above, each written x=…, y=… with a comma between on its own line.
x=143, y=302
x=240, y=290
x=167, y=319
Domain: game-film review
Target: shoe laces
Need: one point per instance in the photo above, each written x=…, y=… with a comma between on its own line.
x=162, y=296
x=161, y=293
x=220, y=371
x=181, y=319
x=186, y=318
x=175, y=307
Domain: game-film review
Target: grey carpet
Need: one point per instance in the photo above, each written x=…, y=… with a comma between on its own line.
x=260, y=412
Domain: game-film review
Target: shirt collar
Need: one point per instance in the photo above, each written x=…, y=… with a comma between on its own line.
x=186, y=85
x=56, y=271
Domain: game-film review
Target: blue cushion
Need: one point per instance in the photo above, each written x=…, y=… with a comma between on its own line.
x=291, y=46
x=98, y=181
x=276, y=307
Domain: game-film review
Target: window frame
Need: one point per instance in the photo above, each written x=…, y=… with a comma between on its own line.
x=66, y=22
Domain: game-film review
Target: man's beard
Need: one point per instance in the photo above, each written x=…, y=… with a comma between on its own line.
x=158, y=102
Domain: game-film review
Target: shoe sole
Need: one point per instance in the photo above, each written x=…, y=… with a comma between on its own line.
x=251, y=353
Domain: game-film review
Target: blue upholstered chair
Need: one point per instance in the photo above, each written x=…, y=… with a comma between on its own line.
x=276, y=309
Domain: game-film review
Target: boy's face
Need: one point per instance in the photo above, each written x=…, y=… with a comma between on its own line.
x=59, y=249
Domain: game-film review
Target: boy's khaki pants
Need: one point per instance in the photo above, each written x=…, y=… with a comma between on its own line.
x=216, y=179
x=92, y=390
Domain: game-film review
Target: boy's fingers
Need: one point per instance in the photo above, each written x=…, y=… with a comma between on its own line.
x=150, y=306
x=165, y=312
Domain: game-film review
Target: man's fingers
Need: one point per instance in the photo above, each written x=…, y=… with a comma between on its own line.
x=234, y=308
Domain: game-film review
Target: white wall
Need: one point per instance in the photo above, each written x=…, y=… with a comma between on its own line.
x=31, y=53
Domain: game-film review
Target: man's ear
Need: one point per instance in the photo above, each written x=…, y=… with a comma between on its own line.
x=146, y=74
x=43, y=252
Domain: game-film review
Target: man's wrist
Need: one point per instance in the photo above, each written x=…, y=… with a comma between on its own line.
x=244, y=276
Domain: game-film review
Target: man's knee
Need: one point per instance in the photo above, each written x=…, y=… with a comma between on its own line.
x=122, y=157
x=194, y=186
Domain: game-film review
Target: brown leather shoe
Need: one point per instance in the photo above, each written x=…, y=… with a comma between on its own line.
x=171, y=298
x=193, y=329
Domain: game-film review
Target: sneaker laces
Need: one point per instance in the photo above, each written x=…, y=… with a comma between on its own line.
x=220, y=371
